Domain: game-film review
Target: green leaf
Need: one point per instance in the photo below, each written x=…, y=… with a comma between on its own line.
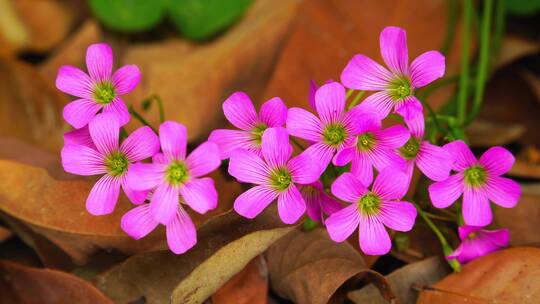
x=203, y=19
x=128, y=15
x=522, y=7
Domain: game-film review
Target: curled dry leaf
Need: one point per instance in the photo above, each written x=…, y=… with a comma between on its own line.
x=308, y=267
x=508, y=276
x=486, y=133
x=225, y=246
x=513, y=48
x=5, y=234
x=20, y=284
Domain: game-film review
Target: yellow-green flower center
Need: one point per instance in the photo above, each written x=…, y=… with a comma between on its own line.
x=334, y=134
x=177, y=173
x=280, y=179
x=257, y=133
x=366, y=141
x=475, y=176
x=116, y=163
x=104, y=92
x=400, y=88
x=369, y=203
x=410, y=149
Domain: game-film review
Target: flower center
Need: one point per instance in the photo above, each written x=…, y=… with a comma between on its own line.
x=369, y=203
x=475, y=176
x=472, y=235
x=280, y=179
x=177, y=173
x=410, y=149
x=334, y=134
x=116, y=163
x=366, y=141
x=400, y=88
x=257, y=133
x=104, y=92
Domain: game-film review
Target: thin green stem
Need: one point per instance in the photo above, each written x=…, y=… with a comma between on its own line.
x=433, y=114
x=500, y=25
x=465, y=49
x=349, y=93
x=140, y=118
x=148, y=102
x=297, y=143
x=483, y=60
x=438, y=85
x=356, y=99
x=450, y=26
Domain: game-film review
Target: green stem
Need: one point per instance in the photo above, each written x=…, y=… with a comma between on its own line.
x=438, y=85
x=433, y=114
x=447, y=250
x=450, y=26
x=356, y=99
x=140, y=118
x=147, y=102
x=349, y=93
x=483, y=60
x=500, y=24
x=465, y=48
x=297, y=143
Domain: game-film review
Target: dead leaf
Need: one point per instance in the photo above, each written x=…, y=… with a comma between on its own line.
x=425, y=272
x=487, y=133
x=250, y=286
x=508, y=276
x=225, y=246
x=513, y=48
x=4, y=234
x=20, y=284
x=308, y=267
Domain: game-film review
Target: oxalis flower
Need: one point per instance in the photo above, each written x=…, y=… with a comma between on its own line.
x=432, y=160
x=371, y=210
x=105, y=156
x=239, y=111
x=275, y=175
x=332, y=130
x=317, y=201
x=478, y=181
x=476, y=242
x=395, y=87
x=101, y=90
x=373, y=146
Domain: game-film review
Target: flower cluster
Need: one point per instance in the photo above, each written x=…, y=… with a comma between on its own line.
x=354, y=174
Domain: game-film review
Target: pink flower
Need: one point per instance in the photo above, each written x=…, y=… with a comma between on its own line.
x=373, y=146
x=105, y=156
x=332, y=131
x=371, y=210
x=239, y=111
x=432, y=160
x=476, y=242
x=275, y=176
x=175, y=178
x=99, y=90
x=395, y=87
x=479, y=181
x=317, y=201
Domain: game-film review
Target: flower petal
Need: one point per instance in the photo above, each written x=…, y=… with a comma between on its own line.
x=141, y=176
x=348, y=188
x=181, y=233
x=239, y=110
x=248, y=167
x=137, y=197
x=204, y=159
x=275, y=147
x=462, y=155
x=138, y=222
x=273, y=113
x=311, y=94
x=330, y=102
x=360, y=120
x=392, y=137
x=118, y=107
x=391, y=184
x=252, y=202
x=343, y=223
x=164, y=203
x=503, y=191
x=446, y=192
x=303, y=124
x=99, y=60
x=393, y=44
x=362, y=168
x=230, y=140
x=103, y=196
x=344, y=156
x=399, y=216
x=79, y=112
x=382, y=157
x=141, y=144
x=79, y=137
x=105, y=130
x=500, y=237
x=82, y=160
x=363, y=73
x=173, y=139
x=465, y=230
x=291, y=205
x=379, y=102
x=497, y=161
x=426, y=68
x=416, y=126
x=434, y=161
x=200, y=194
x=75, y=82
x=308, y=166
x=126, y=78
x=409, y=108
x=374, y=240
x=476, y=208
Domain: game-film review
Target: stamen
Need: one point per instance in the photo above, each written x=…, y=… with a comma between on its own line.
x=334, y=134
x=177, y=173
x=366, y=141
x=400, y=88
x=369, y=204
x=104, y=92
x=257, y=133
x=475, y=176
x=116, y=164
x=280, y=179
x=410, y=149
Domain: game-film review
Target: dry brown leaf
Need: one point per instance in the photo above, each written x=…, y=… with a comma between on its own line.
x=225, y=246
x=5, y=234
x=486, y=133
x=308, y=267
x=25, y=285
x=508, y=276
x=250, y=286
x=513, y=48
x=425, y=272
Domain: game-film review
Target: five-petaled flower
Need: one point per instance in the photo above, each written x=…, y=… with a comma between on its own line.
x=476, y=242
x=395, y=86
x=479, y=181
x=371, y=210
x=100, y=90
x=105, y=156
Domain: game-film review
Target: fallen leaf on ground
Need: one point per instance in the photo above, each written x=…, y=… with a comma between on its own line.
x=5, y=234
x=487, y=133
x=225, y=246
x=513, y=48
x=20, y=284
x=507, y=276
